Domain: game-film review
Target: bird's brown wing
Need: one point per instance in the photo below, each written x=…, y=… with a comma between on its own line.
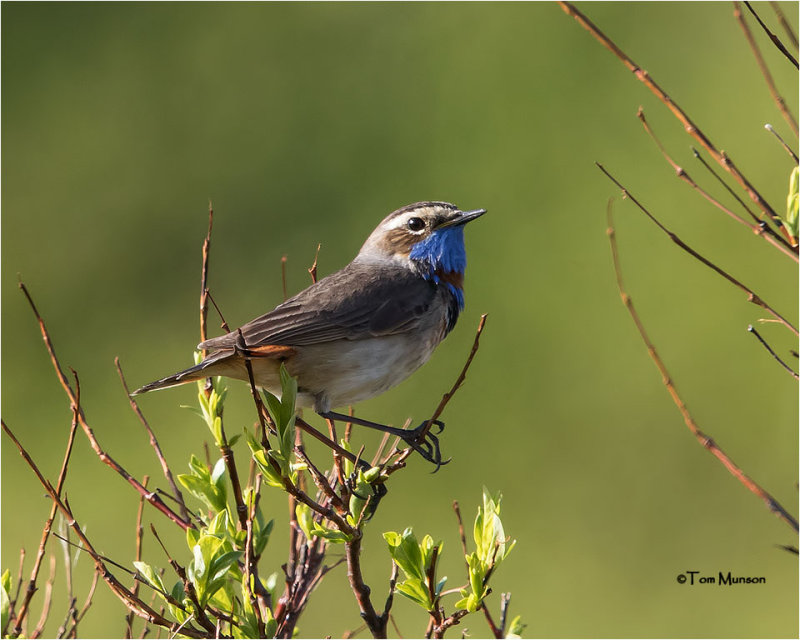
x=354, y=303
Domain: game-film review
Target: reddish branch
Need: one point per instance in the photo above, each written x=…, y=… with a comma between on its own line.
x=691, y=128
x=775, y=39
x=706, y=441
x=764, y=231
x=461, y=377
x=31, y=589
x=132, y=602
x=762, y=65
x=782, y=19
x=751, y=295
x=153, y=498
x=154, y=443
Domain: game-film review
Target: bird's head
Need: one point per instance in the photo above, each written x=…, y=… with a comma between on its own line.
x=427, y=237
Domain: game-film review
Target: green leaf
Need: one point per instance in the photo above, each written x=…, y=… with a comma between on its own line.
x=219, y=525
x=199, y=468
x=192, y=536
x=5, y=589
x=792, y=203
x=416, y=590
x=405, y=551
x=152, y=577
x=516, y=628
x=304, y=519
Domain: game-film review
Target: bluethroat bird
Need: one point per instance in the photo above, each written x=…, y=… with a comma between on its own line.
x=362, y=330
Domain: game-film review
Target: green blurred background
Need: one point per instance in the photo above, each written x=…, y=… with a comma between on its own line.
x=308, y=123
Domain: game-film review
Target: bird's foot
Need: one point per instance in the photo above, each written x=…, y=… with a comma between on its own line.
x=425, y=443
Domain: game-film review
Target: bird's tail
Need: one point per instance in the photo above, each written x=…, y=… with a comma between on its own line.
x=197, y=372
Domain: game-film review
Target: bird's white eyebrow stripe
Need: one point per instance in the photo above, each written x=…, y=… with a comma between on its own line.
x=401, y=220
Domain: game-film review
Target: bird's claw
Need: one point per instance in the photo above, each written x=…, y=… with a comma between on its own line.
x=425, y=443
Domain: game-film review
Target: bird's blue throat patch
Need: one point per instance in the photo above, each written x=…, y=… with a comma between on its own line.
x=441, y=256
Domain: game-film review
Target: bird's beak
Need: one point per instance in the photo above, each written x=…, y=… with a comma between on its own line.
x=462, y=217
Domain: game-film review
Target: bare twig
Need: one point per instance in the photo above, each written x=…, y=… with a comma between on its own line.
x=438, y=630
x=152, y=498
x=283, y=278
x=505, y=601
x=762, y=65
x=224, y=324
x=497, y=631
x=204, y=279
x=793, y=373
x=764, y=231
x=86, y=604
x=321, y=481
x=706, y=441
x=124, y=594
x=307, y=428
x=312, y=270
x=461, y=376
x=188, y=587
x=154, y=443
x=376, y=623
x=48, y=598
x=775, y=39
x=751, y=295
x=784, y=23
x=263, y=415
x=786, y=147
x=139, y=536
x=22, y=611
x=691, y=128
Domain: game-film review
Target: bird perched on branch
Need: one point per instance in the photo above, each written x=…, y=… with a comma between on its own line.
x=362, y=330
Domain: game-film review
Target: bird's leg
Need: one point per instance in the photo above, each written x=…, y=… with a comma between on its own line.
x=427, y=446
x=302, y=424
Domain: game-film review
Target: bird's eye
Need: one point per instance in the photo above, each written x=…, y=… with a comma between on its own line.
x=415, y=224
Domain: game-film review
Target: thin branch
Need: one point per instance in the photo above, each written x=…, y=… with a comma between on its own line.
x=784, y=23
x=188, y=586
x=764, y=231
x=438, y=630
x=775, y=39
x=250, y=562
x=48, y=598
x=793, y=373
x=124, y=594
x=312, y=270
x=762, y=65
x=701, y=437
x=461, y=377
x=87, y=603
x=461, y=535
x=139, y=536
x=497, y=631
x=375, y=623
x=728, y=188
x=751, y=295
x=204, y=279
x=387, y=608
x=49, y=522
x=321, y=481
x=152, y=498
x=224, y=324
x=154, y=443
x=786, y=147
x=283, y=278
x=505, y=601
x=691, y=128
